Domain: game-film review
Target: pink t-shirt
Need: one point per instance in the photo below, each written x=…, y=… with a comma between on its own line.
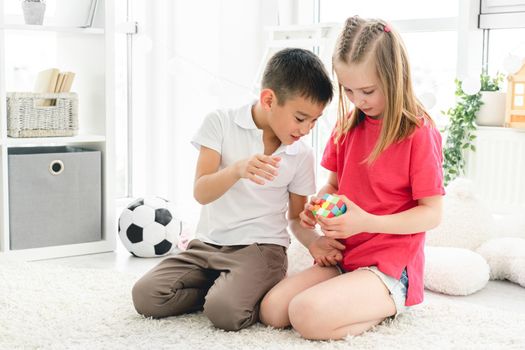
x=403, y=173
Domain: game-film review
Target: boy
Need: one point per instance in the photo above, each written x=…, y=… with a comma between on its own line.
x=252, y=168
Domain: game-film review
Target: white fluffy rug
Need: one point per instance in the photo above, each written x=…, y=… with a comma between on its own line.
x=54, y=307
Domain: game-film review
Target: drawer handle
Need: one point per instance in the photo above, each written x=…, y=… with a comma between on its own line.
x=56, y=167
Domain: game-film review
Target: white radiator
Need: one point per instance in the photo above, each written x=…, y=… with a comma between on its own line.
x=497, y=169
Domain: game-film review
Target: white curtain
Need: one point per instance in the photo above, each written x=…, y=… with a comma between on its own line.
x=189, y=58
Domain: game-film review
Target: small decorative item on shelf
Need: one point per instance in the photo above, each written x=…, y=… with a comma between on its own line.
x=34, y=11
x=29, y=116
x=77, y=13
x=492, y=111
x=515, y=108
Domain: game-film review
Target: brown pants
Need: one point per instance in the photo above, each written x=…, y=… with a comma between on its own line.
x=227, y=282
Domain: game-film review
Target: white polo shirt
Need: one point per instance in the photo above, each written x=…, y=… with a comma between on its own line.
x=250, y=213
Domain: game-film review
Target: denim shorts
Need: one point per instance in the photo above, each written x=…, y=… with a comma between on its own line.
x=396, y=287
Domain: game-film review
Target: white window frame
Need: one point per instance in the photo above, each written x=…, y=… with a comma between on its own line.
x=499, y=14
x=502, y=14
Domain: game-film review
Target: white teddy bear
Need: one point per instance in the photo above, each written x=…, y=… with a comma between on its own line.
x=465, y=250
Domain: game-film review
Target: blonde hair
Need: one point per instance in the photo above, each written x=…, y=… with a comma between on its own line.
x=373, y=38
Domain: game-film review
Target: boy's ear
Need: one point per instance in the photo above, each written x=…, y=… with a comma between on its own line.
x=267, y=98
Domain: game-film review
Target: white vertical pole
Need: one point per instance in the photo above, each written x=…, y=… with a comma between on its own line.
x=470, y=40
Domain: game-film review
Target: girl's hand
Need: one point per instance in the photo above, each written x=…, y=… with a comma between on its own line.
x=326, y=251
x=258, y=168
x=306, y=216
x=354, y=220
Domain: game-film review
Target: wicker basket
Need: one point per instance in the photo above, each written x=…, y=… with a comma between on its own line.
x=28, y=117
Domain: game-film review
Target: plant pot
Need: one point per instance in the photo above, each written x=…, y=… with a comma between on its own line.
x=492, y=112
x=33, y=12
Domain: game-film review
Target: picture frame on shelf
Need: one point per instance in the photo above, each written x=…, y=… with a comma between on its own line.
x=78, y=13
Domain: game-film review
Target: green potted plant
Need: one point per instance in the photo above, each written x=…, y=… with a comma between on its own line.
x=459, y=132
x=34, y=11
x=492, y=111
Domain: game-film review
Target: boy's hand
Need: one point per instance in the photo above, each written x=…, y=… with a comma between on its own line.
x=258, y=167
x=307, y=217
x=326, y=251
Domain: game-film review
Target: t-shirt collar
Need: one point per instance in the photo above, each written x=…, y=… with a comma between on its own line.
x=291, y=150
x=374, y=120
x=244, y=119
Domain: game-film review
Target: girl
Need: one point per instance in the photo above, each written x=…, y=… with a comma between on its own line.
x=384, y=159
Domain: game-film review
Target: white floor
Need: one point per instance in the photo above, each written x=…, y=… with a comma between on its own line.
x=497, y=294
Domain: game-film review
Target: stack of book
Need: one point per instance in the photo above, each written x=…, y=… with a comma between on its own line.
x=52, y=80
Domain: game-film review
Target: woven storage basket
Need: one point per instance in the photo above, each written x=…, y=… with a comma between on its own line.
x=27, y=117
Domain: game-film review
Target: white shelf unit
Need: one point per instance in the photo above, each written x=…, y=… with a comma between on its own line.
x=56, y=29
x=89, y=52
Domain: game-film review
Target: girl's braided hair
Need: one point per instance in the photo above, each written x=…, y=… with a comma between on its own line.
x=374, y=41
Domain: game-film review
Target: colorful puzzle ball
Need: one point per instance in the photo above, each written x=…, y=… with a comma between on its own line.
x=330, y=206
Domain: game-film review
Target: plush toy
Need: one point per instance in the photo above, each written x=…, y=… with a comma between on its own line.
x=463, y=252
x=506, y=257
x=329, y=206
x=148, y=228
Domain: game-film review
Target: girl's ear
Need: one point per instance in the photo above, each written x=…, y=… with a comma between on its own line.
x=267, y=98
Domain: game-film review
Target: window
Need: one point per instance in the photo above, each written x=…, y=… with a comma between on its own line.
x=519, y=91
x=429, y=30
x=339, y=10
x=503, y=22
x=501, y=44
x=502, y=14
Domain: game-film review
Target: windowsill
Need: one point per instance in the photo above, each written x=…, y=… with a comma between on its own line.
x=500, y=129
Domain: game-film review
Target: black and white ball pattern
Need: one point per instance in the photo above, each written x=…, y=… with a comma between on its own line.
x=147, y=227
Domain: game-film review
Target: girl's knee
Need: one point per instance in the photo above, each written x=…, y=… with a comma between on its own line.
x=274, y=310
x=305, y=317
x=298, y=310
x=312, y=320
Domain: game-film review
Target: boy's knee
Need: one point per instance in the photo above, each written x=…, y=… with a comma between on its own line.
x=140, y=294
x=147, y=299
x=225, y=313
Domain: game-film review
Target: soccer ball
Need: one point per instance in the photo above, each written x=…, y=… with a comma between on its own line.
x=148, y=229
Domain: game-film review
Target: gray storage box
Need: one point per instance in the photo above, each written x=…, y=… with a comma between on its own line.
x=54, y=196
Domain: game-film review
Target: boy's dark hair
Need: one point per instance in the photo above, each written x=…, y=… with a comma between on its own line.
x=297, y=72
